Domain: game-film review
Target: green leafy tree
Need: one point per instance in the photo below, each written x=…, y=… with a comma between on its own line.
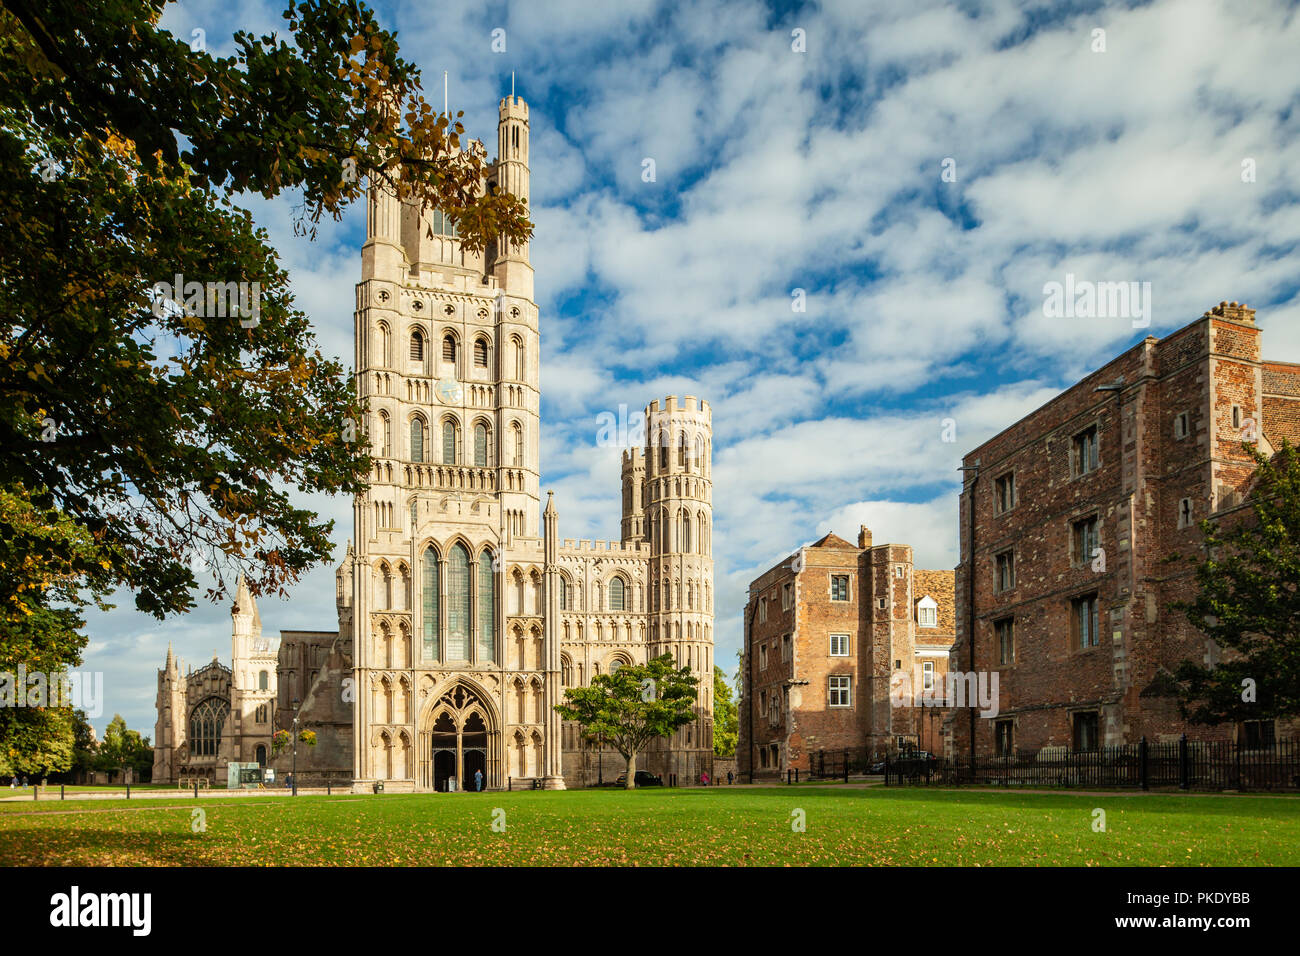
x=84, y=744
x=633, y=706
x=726, y=716
x=1248, y=602
x=36, y=741
x=123, y=748
x=169, y=433
x=47, y=564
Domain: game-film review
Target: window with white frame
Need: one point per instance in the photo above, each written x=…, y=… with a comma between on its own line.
x=839, y=645
x=839, y=587
x=839, y=690
x=927, y=612
x=927, y=674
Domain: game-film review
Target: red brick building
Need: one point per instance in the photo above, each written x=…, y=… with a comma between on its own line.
x=1068, y=517
x=825, y=632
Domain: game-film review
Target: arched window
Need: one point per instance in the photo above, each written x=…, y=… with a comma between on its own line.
x=458, y=607
x=261, y=755
x=262, y=679
x=664, y=440
x=206, y=721
x=480, y=353
x=684, y=544
x=519, y=359
x=442, y=226
x=564, y=593
x=517, y=435
x=417, y=346
x=384, y=357
x=681, y=450
x=617, y=594
x=417, y=439
x=487, y=604
x=449, y=348
x=431, y=587
x=449, y=443
x=386, y=436
x=480, y=445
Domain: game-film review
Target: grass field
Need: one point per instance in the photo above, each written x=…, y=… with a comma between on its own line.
x=741, y=827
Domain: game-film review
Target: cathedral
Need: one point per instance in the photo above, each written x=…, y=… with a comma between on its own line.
x=462, y=614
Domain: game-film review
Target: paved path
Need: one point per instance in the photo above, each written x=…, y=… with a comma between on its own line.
x=52, y=793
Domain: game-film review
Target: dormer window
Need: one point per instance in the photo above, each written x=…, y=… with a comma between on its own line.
x=927, y=612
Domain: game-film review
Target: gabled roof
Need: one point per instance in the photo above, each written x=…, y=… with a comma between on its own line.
x=832, y=540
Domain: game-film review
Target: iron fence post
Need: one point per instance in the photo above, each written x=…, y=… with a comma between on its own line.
x=1184, y=770
x=1142, y=764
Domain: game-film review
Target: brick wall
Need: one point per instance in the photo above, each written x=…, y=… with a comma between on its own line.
x=1169, y=436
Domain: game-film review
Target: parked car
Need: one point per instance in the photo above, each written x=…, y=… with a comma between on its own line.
x=909, y=762
x=644, y=778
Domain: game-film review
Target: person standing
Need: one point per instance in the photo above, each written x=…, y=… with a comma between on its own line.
x=478, y=781
x=730, y=778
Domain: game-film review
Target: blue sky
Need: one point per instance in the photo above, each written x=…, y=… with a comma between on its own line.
x=820, y=170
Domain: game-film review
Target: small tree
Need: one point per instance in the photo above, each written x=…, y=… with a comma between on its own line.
x=726, y=716
x=633, y=706
x=1249, y=604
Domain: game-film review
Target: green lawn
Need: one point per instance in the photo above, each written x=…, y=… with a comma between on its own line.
x=844, y=826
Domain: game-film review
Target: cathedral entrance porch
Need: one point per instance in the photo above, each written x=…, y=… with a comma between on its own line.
x=461, y=739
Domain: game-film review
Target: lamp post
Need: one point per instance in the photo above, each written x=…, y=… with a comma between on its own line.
x=294, y=773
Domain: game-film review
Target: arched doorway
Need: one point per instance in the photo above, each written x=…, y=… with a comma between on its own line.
x=261, y=756
x=458, y=738
x=474, y=748
x=442, y=740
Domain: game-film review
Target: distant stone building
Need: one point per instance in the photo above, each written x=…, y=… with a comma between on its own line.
x=831, y=634
x=1068, y=517
x=217, y=714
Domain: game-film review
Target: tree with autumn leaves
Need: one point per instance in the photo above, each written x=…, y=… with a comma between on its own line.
x=135, y=439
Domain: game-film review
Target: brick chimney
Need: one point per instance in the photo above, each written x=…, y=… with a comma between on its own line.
x=864, y=537
x=1234, y=311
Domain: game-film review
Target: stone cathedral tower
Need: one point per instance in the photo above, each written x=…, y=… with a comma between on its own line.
x=447, y=358
x=668, y=502
x=462, y=613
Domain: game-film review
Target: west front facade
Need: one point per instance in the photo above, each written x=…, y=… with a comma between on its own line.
x=462, y=613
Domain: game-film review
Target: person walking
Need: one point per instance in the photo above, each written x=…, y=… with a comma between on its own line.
x=478, y=781
x=730, y=778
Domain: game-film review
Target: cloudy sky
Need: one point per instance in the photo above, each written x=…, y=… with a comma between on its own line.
x=919, y=170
